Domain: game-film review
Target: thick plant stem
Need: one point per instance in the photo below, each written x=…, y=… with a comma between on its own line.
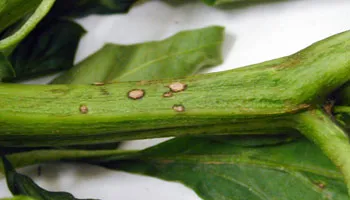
x=252, y=99
x=333, y=141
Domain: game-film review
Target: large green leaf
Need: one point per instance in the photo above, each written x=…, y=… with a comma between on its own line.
x=23, y=185
x=80, y=8
x=238, y=167
x=6, y=70
x=216, y=170
x=49, y=48
x=180, y=55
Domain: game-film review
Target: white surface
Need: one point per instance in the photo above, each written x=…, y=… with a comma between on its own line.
x=254, y=33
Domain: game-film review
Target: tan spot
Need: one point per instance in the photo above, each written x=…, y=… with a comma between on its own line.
x=83, y=109
x=321, y=185
x=167, y=94
x=179, y=108
x=177, y=87
x=136, y=94
x=98, y=83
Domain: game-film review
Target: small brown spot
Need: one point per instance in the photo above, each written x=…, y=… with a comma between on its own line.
x=84, y=109
x=179, y=108
x=136, y=94
x=177, y=87
x=98, y=83
x=143, y=82
x=167, y=94
x=321, y=185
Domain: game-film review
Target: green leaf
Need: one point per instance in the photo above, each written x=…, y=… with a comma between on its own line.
x=6, y=70
x=49, y=48
x=215, y=170
x=180, y=55
x=13, y=10
x=23, y=185
x=80, y=8
x=246, y=167
x=7, y=44
x=18, y=198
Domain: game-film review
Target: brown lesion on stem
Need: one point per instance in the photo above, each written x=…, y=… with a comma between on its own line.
x=299, y=108
x=167, y=94
x=291, y=61
x=136, y=94
x=83, y=109
x=178, y=108
x=177, y=87
x=98, y=84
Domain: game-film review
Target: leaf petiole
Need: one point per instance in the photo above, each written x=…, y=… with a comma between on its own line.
x=333, y=140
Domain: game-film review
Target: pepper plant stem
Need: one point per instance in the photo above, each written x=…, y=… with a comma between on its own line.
x=260, y=97
x=333, y=140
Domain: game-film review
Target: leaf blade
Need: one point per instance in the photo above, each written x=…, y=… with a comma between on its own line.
x=6, y=70
x=226, y=171
x=151, y=60
x=51, y=47
x=20, y=184
x=81, y=8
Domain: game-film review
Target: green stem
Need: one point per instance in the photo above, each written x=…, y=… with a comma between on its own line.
x=18, y=198
x=9, y=42
x=256, y=98
x=342, y=115
x=333, y=141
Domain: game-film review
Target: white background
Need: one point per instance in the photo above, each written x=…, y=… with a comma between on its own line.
x=254, y=33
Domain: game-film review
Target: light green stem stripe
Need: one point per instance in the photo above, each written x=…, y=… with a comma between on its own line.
x=341, y=109
x=333, y=141
x=18, y=198
x=39, y=14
